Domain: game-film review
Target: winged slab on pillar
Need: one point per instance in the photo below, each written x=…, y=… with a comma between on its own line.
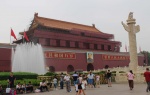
x=132, y=29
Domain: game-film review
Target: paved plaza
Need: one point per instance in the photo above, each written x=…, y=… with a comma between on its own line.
x=116, y=89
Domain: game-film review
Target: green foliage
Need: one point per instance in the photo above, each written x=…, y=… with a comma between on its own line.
x=50, y=74
x=102, y=72
x=148, y=55
x=18, y=75
x=113, y=72
x=122, y=72
x=35, y=82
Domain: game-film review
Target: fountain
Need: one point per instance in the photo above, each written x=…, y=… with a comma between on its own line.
x=28, y=58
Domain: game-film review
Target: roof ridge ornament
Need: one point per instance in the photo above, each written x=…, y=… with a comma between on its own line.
x=36, y=14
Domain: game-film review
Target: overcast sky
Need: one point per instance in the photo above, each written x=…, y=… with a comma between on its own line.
x=105, y=14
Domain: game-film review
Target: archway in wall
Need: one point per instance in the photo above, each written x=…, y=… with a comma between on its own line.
x=52, y=69
x=70, y=68
x=90, y=67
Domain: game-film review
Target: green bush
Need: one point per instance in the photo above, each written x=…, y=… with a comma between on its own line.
x=121, y=72
x=50, y=74
x=35, y=82
x=18, y=75
x=113, y=72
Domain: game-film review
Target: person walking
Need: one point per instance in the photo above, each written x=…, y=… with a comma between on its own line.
x=130, y=77
x=61, y=81
x=109, y=78
x=147, y=79
x=55, y=83
x=81, y=86
x=75, y=77
x=90, y=79
x=68, y=84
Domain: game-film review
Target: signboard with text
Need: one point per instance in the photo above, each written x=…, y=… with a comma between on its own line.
x=61, y=55
x=114, y=57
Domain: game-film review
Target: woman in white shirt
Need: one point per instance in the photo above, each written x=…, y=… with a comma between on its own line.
x=130, y=77
x=90, y=79
x=80, y=85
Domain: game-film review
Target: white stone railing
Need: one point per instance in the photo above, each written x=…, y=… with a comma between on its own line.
x=121, y=73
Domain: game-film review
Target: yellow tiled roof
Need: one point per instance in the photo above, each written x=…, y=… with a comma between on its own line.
x=63, y=24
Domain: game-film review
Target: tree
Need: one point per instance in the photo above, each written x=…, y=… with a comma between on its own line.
x=146, y=57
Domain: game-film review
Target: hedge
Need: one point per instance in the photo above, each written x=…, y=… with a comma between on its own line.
x=18, y=75
x=35, y=82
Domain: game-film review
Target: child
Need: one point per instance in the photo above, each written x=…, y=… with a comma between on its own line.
x=97, y=81
x=55, y=83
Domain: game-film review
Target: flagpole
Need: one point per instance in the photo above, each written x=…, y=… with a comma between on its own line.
x=23, y=35
x=10, y=35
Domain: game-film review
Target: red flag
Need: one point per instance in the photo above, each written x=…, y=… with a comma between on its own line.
x=126, y=48
x=13, y=34
x=25, y=36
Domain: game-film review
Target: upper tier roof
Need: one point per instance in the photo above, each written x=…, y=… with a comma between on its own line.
x=52, y=23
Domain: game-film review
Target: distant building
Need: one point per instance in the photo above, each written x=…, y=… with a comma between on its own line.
x=66, y=45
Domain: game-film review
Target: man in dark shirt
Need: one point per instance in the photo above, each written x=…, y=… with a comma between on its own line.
x=109, y=78
x=29, y=87
x=11, y=80
x=61, y=81
x=75, y=77
x=147, y=79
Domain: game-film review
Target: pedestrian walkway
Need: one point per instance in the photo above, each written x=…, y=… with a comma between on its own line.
x=116, y=89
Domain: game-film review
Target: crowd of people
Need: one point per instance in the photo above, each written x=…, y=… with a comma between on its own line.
x=80, y=82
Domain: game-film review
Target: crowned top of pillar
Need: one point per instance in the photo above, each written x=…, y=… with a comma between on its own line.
x=130, y=19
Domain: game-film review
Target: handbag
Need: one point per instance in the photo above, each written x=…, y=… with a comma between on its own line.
x=83, y=86
x=8, y=90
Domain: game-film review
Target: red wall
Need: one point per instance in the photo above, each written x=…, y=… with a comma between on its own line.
x=5, y=59
x=61, y=64
x=81, y=63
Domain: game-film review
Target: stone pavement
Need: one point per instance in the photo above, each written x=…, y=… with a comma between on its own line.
x=116, y=89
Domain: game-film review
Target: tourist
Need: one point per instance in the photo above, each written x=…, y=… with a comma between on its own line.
x=61, y=81
x=19, y=88
x=130, y=77
x=11, y=80
x=147, y=79
x=84, y=81
x=80, y=85
x=97, y=80
x=90, y=79
x=29, y=87
x=1, y=90
x=55, y=83
x=75, y=77
x=109, y=78
x=43, y=85
x=94, y=82
x=68, y=83
x=23, y=86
